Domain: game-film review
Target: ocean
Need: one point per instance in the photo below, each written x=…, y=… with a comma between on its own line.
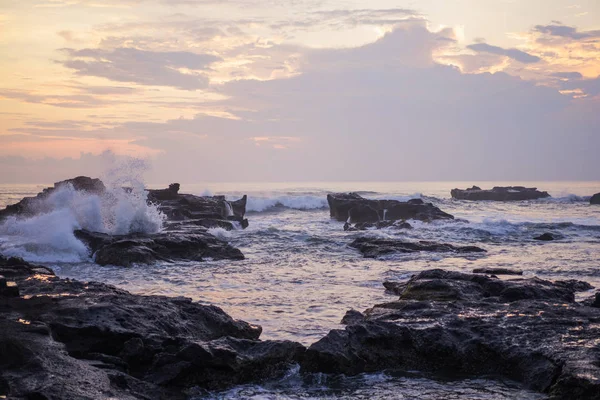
x=300, y=276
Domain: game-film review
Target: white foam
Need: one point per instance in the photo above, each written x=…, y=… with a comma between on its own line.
x=49, y=236
x=260, y=204
x=220, y=233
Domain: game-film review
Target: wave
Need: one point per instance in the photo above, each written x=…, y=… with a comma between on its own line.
x=278, y=203
x=567, y=199
x=49, y=237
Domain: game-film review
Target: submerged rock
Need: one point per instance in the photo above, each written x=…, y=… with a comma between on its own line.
x=64, y=339
x=595, y=199
x=498, y=271
x=498, y=193
x=355, y=209
x=363, y=226
x=125, y=250
x=30, y=206
x=373, y=247
x=452, y=324
x=546, y=237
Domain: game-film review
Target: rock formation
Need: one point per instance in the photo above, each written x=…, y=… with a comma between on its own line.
x=64, y=339
x=207, y=211
x=30, y=206
x=452, y=324
x=509, y=193
x=373, y=247
x=595, y=199
x=355, y=209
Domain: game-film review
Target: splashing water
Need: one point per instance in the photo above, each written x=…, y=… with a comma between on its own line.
x=49, y=237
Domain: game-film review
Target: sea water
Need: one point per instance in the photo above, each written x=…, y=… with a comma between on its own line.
x=300, y=276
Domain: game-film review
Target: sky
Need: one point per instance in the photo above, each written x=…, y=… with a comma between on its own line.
x=301, y=90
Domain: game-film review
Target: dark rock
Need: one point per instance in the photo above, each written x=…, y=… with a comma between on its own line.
x=355, y=209
x=372, y=247
x=170, y=193
x=363, y=226
x=452, y=324
x=207, y=211
x=594, y=301
x=64, y=339
x=595, y=199
x=546, y=237
x=498, y=271
x=126, y=250
x=352, y=317
x=30, y=206
x=362, y=213
x=509, y=193
x=9, y=289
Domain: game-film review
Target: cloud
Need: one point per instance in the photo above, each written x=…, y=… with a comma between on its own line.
x=386, y=111
x=143, y=67
x=514, y=54
x=565, y=31
x=63, y=101
x=567, y=75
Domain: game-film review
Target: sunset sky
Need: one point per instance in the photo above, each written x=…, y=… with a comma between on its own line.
x=303, y=90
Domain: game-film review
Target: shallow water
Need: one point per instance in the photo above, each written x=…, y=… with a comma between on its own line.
x=300, y=277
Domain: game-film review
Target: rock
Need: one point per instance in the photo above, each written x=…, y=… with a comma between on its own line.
x=594, y=301
x=546, y=237
x=363, y=226
x=497, y=271
x=595, y=199
x=362, y=213
x=351, y=317
x=125, y=250
x=30, y=206
x=355, y=209
x=451, y=324
x=64, y=339
x=509, y=193
x=208, y=211
x=373, y=247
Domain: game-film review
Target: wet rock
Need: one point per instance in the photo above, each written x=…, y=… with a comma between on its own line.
x=30, y=206
x=595, y=199
x=351, y=317
x=363, y=226
x=594, y=301
x=373, y=247
x=452, y=324
x=546, y=237
x=498, y=271
x=353, y=208
x=498, y=193
x=208, y=211
x=64, y=339
x=125, y=250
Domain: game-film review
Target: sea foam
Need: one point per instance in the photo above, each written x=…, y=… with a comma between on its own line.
x=49, y=237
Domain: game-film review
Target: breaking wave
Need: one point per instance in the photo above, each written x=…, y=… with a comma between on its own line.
x=49, y=237
x=277, y=203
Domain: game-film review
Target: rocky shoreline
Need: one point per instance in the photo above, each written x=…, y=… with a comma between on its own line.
x=63, y=338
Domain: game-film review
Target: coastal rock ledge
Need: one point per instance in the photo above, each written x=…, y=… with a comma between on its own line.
x=64, y=339
x=498, y=193
x=461, y=325
x=355, y=209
